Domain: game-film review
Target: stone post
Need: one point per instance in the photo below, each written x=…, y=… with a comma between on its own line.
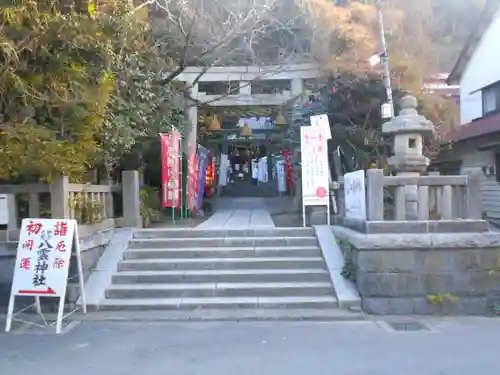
x=12, y=217
x=34, y=204
x=59, y=198
x=108, y=198
x=375, y=194
x=191, y=130
x=131, y=199
x=409, y=128
x=474, y=207
x=435, y=197
x=297, y=86
x=245, y=88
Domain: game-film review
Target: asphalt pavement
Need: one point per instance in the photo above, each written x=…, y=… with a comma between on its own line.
x=458, y=346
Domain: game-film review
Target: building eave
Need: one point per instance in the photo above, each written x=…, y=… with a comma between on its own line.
x=487, y=16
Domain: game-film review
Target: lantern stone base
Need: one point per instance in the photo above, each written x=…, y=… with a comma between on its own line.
x=316, y=215
x=425, y=273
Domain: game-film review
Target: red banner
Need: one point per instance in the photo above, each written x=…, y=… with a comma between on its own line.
x=287, y=155
x=192, y=178
x=171, y=169
x=210, y=175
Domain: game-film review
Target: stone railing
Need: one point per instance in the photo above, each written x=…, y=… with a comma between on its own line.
x=441, y=204
x=91, y=205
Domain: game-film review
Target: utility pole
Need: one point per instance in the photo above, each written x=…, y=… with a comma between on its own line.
x=384, y=57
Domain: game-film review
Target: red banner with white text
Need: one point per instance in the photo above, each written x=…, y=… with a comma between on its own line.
x=287, y=155
x=192, y=178
x=171, y=169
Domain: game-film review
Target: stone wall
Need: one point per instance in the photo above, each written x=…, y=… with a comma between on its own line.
x=92, y=246
x=426, y=273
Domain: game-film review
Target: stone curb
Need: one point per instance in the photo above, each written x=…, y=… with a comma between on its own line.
x=345, y=290
x=418, y=241
x=100, y=278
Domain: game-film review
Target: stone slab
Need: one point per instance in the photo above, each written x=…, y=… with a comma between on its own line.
x=101, y=277
x=344, y=289
x=217, y=220
x=327, y=302
x=217, y=315
x=413, y=227
x=195, y=232
x=238, y=219
x=397, y=241
x=467, y=305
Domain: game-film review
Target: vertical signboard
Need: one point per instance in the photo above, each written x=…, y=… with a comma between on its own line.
x=321, y=121
x=355, y=195
x=281, y=176
x=171, y=169
x=314, y=160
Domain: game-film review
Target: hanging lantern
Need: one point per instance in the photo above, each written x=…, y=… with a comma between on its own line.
x=246, y=131
x=214, y=125
x=280, y=120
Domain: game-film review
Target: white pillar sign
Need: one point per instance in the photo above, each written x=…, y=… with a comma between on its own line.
x=42, y=263
x=355, y=195
x=314, y=161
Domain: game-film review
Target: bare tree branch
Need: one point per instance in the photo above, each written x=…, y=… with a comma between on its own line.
x=222, y=32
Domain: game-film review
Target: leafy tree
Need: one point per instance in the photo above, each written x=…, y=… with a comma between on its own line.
x=350, y=36
x=76, y=85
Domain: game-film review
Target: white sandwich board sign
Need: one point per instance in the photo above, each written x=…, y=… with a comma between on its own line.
x=42, y=263
x=315, y=172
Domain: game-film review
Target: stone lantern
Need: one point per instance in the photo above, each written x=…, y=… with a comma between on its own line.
x=409, y=129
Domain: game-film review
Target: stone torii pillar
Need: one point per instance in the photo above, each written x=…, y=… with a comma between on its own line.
x=409, y=129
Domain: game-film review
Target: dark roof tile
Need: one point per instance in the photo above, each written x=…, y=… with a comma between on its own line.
x=476, y=128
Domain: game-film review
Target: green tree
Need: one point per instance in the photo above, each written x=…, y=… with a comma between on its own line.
x=76, y=85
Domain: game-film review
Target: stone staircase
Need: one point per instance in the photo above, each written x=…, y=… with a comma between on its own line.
x=224, y=274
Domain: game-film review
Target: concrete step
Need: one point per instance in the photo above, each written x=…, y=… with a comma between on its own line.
x=196, y=233
x=173, y=243
x=277, y=289
x=319, y=302
x=222, y=315
x=231, y=275
x=220, y=263
x=225, y=252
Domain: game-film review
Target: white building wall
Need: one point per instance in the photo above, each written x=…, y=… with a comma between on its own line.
x=482, y=70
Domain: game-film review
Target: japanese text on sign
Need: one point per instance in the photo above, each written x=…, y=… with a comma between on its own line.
x=355, y=195
x=314, y=166
x=322, y=122
x=171, y=169
x=43, y=257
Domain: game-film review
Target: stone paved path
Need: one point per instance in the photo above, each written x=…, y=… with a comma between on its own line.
x=239, y=213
